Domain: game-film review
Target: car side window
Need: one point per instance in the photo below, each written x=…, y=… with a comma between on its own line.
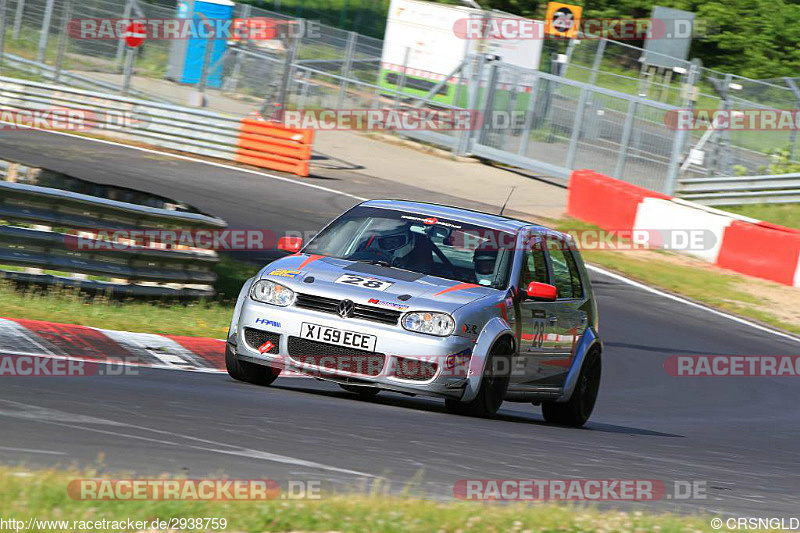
x=534, y=266
x=566, y=276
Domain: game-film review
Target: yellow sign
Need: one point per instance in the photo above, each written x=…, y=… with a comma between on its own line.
x=562, y=20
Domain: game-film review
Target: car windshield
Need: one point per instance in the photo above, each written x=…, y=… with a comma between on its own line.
x=429, y=245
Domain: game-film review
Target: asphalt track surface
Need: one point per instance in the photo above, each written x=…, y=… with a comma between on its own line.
x=738, y=436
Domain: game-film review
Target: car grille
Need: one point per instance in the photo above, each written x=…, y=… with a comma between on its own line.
x=414, y=370
x=255, y=338
x=333, y=357
x=364, y=312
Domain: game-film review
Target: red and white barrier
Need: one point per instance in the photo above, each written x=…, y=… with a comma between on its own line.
x=743, y=244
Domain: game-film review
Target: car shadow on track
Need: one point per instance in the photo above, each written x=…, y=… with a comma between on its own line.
x=433, y=405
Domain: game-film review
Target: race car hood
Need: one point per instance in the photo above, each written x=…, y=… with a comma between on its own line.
x=318, y=275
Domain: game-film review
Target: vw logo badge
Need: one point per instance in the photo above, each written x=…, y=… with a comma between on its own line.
x=346, y=308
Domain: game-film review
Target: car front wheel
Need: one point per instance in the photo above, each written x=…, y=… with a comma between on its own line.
x=248, y=372
x=577, y=410
x=494, y=385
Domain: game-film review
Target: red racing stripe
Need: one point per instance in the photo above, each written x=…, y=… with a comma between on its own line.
x=458, y=287
x=310, y=259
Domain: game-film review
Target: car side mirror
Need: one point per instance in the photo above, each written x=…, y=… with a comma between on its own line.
x=541, y=292
x=290, y=244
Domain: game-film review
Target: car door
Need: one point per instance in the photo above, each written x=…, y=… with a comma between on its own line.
x=536, y=333
x=569, y=312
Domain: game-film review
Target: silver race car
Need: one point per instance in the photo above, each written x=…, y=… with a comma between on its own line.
x=426, y=299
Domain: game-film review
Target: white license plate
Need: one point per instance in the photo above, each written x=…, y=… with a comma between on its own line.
x=364, y=281
x=340, y=337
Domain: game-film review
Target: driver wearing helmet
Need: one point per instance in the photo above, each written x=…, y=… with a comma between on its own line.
x=484, y=260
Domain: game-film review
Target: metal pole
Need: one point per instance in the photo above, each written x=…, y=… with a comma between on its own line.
x=401, y=84
x=66, y=14
x=576, y=127
x=2, y=31
x=130, y=53
x=126, y=14
x=233, y=80
x=283, y=88
x=488, y=109
x=674, y=160
x=598, y=60
x=793, y=135
x=529, y=111
x=201, y=85
x=18, y=19
x=48, y=14
x=570, y=51
x=348, y=63
x=626, y=139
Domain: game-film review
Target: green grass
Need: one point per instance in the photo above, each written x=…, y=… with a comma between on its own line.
x=42, y=494
x=710, y=287
x=783, y=214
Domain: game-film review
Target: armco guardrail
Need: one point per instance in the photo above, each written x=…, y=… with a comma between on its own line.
x=179, y=128
x=39, y=244
x=772, y=189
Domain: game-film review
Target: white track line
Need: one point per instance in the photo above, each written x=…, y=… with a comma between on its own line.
x=691, y=303
x=28, y=450
x=333, y=191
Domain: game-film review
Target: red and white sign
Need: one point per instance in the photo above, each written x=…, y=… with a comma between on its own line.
x=135, y=34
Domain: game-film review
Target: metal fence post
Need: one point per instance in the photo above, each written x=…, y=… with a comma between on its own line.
x=401, y=84
x=233, y=79
x=626, y=139
x=529, y=112
x=576, y=127
x=283, y=88
x=2, y=31
x=348, y=63
x=488, y=108
x=18, y=19
x=66, y=14
x=674, y=162
x=126, y=14
x=130, y=54
x=201, y=84
x=793, y=135
x=45, y=31
x=598, y=60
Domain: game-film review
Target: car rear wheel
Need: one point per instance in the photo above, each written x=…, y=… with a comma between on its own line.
x=494, y=384
x=577, y=410
x=361, y=390
x=248, y=372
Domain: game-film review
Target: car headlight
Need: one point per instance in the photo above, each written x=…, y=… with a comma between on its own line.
x=440, y=324
x=270, y=292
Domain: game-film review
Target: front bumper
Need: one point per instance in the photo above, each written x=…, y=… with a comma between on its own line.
x=446, y=359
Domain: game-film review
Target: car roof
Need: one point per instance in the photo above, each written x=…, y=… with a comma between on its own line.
x=455, y=213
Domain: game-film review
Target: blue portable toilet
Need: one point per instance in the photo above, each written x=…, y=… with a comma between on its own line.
x=187, y=55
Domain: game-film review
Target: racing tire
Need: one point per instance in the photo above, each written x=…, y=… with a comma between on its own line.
x=248, y=372
x=578, y=409
x=492, y=388
x=363, y=391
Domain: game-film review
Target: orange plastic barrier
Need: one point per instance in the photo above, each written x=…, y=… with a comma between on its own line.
x=604, y=201
x=270, y=145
